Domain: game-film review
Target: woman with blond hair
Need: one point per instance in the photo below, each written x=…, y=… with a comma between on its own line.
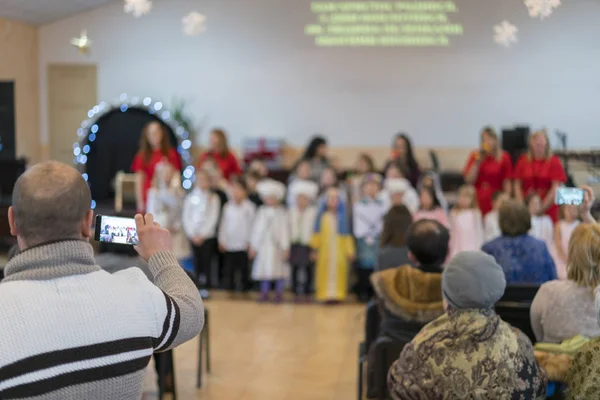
x=565, y=308
x=539, y=171
x=220, y=153
x=489, y=169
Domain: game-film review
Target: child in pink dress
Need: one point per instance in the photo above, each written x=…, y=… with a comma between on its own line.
x=430, y=207
x=569, y=219
x=466, y=225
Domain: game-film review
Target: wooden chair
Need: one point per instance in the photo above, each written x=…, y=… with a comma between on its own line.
x=202, y=342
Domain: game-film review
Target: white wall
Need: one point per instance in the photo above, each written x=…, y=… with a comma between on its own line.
x=255, y=73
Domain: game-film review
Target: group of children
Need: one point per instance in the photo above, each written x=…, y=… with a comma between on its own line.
x=310, y=234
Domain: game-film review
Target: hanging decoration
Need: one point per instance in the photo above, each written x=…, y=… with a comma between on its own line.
x=505, y=34
x=138, y=8
x=83, y=42
x=193, y=23
x=541, y=8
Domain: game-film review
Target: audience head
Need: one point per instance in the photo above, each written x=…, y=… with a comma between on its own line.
x=472, y=280
x=365, y=164
x=203, y=180
x=539, y=145
x=583, y=260
x=218, y=141
x=514, y=218
x=428, y=199
x=50, y=201
x=303, y=170
x=239, y=190
x=534, y=204
x=260, y=166
x=498, y=198
x=317, y=148
x=569, y=212
x=489, y=141
x=154, y=138
x=329, y=178
x=466, y=197
x=252, y=178
x=395, y=225
x=427, y=241
x=371, y=185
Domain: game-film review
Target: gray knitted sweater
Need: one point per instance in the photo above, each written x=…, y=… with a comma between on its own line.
x=73, y=331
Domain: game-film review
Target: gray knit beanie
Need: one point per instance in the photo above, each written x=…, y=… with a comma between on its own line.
x=473, y=279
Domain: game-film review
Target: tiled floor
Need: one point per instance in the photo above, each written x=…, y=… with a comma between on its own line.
x=279, y=352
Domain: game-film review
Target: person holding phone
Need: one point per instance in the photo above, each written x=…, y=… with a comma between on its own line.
x=86, y=313
x=539, y=171
x=489, y=169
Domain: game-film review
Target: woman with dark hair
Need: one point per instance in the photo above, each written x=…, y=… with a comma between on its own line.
x=316, y=154
x=392, y=244
x=220, y=153
x=489, y=169
x=155, y=148
x=402, y=152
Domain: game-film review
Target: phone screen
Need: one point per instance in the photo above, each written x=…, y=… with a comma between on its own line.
x=116, y=230
x=569, y=196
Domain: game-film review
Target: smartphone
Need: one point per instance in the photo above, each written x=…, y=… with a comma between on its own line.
x=569, y=196
x=116, y=230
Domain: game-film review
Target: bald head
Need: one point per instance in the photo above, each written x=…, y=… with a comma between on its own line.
x=50, y=201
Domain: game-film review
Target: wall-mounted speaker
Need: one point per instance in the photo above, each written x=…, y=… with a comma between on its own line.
x=7, y=120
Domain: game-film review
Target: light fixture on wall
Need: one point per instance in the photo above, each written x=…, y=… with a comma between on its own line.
x=505, y=34
x=193, y=23
x=541, y=8
x=82, y=43
x=138, y=8
x=89, y=130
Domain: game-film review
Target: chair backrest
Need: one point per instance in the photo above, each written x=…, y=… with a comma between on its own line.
x=372, y=323
x=522, y=293
x=382, y=355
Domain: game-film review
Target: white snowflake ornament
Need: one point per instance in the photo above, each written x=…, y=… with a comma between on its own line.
x=138, y=8
x=505, y=34
x=193, y=23
x=541, y=8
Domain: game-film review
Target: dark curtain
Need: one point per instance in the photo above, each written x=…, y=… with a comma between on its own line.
x=116, y=143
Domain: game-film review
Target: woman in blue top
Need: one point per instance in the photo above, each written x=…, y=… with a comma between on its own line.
x=523, y=258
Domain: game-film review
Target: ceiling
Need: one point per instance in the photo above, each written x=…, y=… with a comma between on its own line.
x=39, y=12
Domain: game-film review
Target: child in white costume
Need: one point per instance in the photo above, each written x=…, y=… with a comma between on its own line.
x=398, y=191
x=270, y=241
x=302, y=218
x=165, y=202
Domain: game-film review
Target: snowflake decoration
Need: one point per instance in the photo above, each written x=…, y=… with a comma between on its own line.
x=505, y=34
x=193, y=23
x=541, y=8
x=138, y=7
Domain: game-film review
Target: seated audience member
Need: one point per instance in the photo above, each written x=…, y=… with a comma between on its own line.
x=412, y=296
x=84, y=313
x=491, y=225
x=565, y=308
x=468, y=352
x=523, y=258
x=392, y=251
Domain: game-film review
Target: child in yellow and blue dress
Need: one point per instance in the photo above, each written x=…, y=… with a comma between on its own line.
x=368, y=216
x=334, y=247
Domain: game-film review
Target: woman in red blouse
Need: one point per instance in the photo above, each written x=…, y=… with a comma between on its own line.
x=541, y=172
x=222, y=156
x=155, y=147
x=489, y=169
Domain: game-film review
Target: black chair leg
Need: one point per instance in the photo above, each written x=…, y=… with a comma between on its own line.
x=207, y=328
x=166, y=368
x=200, y=344
x=361, y=349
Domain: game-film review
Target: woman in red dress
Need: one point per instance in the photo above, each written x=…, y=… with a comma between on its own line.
x=541, y=172
x=489, y=169
x=219, y=152
x=155, y=147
